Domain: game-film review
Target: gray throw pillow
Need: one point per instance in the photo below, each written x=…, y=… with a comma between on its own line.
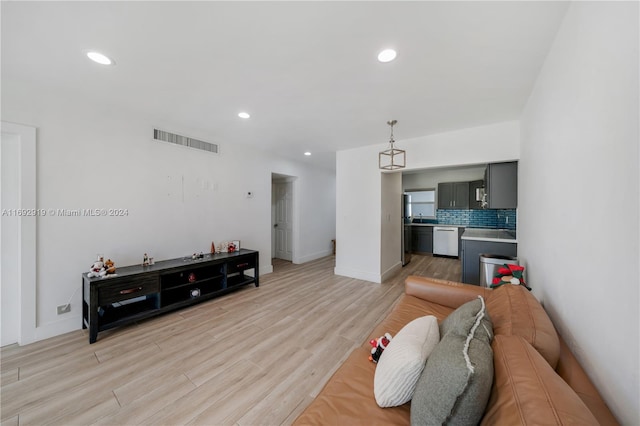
x=455, y=385
x=461, y=320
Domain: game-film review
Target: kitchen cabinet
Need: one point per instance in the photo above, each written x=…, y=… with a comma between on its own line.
x=453, y=195
x=422, y=239
x=473, y=187
x=471, y=251
x=502, y=185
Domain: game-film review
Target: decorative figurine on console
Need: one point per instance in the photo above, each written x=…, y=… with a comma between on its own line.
x=378, y=346
x=197, y=256
x=110, y=267
x=97, y=268
x=145, y=260
x=101, y=269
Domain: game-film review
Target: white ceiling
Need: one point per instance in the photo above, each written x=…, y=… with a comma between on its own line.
x=306, y=71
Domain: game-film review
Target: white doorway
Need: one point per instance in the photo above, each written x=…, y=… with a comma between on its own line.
x=10, y=292
x=18, y=234
x=282, y=235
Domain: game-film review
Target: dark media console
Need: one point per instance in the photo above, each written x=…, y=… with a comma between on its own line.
x=138, y=292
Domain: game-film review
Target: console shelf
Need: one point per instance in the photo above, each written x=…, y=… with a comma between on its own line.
x=139, y=292
x=236, y=280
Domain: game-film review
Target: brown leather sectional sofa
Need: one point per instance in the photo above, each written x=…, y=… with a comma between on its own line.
x=536, y=378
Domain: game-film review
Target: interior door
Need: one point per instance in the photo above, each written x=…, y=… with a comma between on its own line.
x=283, y=226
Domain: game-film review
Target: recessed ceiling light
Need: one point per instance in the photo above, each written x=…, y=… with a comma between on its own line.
x=100, y=58
x=307, y=153
x=387, y=55
x=243, y=115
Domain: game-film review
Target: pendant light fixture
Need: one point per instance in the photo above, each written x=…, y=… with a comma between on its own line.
x=392, y=158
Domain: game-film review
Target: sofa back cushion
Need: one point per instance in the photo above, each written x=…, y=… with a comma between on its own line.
x=515, y=311
x=526, y=390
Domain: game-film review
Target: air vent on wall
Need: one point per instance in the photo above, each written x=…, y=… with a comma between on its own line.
x=161, y=135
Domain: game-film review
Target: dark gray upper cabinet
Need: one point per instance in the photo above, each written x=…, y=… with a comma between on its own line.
x=502, y=185
x=453, y=195
x=445, y=195
x=473, y=186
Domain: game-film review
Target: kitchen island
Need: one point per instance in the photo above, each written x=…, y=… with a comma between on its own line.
x=478, y=241
x=493, y=235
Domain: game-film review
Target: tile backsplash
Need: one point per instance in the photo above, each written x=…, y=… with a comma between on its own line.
x=500, y=219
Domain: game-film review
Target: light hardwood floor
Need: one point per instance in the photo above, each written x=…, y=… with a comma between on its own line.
x=256, y=356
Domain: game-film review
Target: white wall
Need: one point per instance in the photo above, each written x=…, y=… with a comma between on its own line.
x=430, y=178
x=474, y=145
x=359, y=188
x=578, y=194
x=315, y=199
x=178, y=199
x=358, y=212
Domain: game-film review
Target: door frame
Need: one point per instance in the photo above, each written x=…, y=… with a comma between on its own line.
x=281, y=178
x=27, y=253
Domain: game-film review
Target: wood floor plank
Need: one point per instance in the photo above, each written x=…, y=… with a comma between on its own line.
x=285, y=396
x=10, y=375
x=12, y=421
x=238, y=401
x=255, y=356
x=140, y=335
x=86, y=415
x=143, y=384
x=58, y=367
x=239, y=375
x=65, y=408
x=149, y=404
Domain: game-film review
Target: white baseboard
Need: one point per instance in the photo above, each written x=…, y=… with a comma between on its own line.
x=57, y=328
x=310, y=257
x=265, y=269
x=391, y=271
x=360, y=275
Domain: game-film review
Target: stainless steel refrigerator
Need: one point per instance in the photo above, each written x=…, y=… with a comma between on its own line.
x=406, y=229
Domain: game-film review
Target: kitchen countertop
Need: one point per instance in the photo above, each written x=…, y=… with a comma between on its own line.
x=493, y=235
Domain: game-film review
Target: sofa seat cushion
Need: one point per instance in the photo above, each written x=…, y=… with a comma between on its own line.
x=406, y=310
x=527, y=389
x=515, y=311
x=347, y=399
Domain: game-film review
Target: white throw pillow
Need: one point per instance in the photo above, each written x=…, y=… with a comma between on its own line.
x=401, y=363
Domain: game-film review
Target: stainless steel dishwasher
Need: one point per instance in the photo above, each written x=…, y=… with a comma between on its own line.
x=445, y=240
